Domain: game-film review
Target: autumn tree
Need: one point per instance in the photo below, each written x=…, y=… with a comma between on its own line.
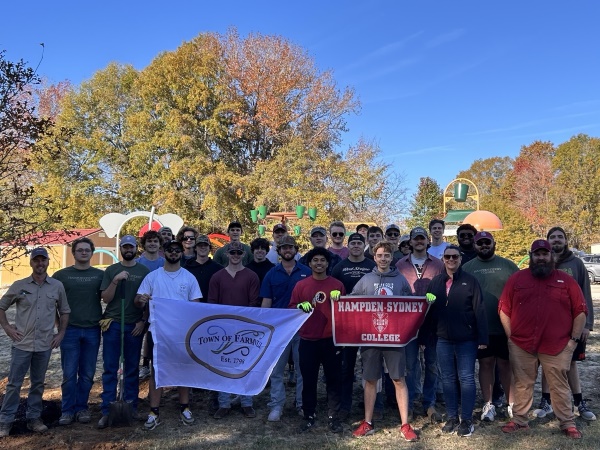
x=427, y=203
x=575, y=193
x=24, y=210
x=488, y=174
x=206, y=130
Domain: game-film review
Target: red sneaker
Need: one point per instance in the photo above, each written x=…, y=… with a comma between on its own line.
x=407, y=432
x=511, y=427
x=572, y=432
x=364, y=429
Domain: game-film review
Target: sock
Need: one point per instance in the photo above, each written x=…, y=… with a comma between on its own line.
x=183, y=406
x=154, y=411
x=146, y=362
x=577, y=399
x=546, y=396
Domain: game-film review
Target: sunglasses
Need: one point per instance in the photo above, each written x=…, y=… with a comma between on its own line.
x=188, y=238
x=481, y=242
x=338, y=234
x=236, y=252
x=392, y=234
x=173, y=250
x=449, y=257
x=405, y=244
x=465, y=235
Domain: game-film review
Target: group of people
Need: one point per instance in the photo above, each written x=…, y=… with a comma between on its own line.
x=481, y=307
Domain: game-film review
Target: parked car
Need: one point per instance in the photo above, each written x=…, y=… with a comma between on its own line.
x=592, y=264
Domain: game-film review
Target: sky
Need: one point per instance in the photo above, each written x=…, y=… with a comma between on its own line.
x=441, y=83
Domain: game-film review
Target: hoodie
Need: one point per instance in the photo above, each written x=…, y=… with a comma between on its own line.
x=378, y=283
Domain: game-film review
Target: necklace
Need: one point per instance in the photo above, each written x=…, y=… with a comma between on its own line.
x=176, y=274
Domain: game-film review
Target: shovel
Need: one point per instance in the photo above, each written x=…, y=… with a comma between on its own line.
x=120, y=412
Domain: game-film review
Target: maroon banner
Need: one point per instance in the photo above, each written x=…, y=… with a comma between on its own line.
x=381, y=321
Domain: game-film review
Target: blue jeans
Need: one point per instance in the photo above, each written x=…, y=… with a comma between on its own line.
x=111, y=350
x=225, y=400
x=78, y=357
x=277, y=376
x=413, y=373
x=20, y=362
x=457, y=363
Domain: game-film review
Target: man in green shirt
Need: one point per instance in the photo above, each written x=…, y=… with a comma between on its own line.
x=120, y=283
x=492, y=272
x=79, y=348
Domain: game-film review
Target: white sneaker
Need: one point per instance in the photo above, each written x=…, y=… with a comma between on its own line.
x=152, y=422
x=489, y=412
x=186, y=417
x=543, y=410
x=584, y=411
x=509, y=410
x=275, y=415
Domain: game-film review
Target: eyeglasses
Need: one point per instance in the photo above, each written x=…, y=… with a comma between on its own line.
x=188, y=238
x=449, y=257
x=173, y=250
x=465, y=235
x=392, y=234
x=338, y=234
x=84, y=250
x=236, y=252
x=481, y=242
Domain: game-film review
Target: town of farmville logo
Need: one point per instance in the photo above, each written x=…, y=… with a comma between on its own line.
x=228, y=345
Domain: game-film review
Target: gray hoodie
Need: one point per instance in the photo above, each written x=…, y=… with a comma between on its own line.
x=377, y=283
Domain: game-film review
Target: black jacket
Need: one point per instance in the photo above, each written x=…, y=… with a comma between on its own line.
x=460, y=315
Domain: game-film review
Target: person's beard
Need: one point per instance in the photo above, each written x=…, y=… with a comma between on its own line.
x=128, y=256
x=488, y=254
x=173, y=259
x=541, y=269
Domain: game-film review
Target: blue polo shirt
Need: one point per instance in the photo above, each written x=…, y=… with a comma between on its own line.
x=278, y=285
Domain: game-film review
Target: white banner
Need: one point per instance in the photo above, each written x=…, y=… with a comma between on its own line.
x=218, y=347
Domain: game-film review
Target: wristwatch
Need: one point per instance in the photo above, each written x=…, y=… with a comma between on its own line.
x=575, y=339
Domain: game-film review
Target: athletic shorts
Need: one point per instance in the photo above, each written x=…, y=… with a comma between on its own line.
x=372, y=361
x=497, y=347
x=579, y=353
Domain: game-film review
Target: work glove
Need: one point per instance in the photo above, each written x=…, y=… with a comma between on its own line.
x=335, y=295
x=305, y=306
x=430, y=297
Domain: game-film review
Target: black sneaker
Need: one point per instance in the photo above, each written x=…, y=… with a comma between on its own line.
x=309, y=423
x=451, y=425
x=465, y=429
x=334, y=425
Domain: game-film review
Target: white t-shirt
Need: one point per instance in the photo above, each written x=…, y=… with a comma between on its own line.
x=179, y=285
x=437, y=251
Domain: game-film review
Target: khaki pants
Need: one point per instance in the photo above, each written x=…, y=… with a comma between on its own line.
x=524, y=367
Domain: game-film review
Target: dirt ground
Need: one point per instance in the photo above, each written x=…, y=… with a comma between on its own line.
x=236, y=431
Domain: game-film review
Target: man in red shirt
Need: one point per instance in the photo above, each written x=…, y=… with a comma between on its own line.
x=543, y=313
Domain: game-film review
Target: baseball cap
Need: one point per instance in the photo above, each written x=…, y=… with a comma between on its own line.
x=128, y=240
x=483, y=235
x=418, y=231
x=234, y=224
x=233, y=246
x=356, y=237
x=40, y=251
x=392, y=226
x=161, y=229
x=404, y=238
x=321, y=230
x=202, y=239
x=539, y=244
x=287, y=240
x=173, y=242
x=279, y=227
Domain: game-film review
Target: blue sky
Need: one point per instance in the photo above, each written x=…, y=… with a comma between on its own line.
x=442, y=83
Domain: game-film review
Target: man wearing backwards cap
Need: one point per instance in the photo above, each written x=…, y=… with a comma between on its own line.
x=318, y=238
x=492, y=273
x=38, y=298
x=537, y=332
x=279, y=232
x=419, y=268
x=568, y=262
x=129, y=274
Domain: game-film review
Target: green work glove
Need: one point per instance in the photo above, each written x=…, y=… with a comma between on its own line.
x=335, y=295
x=305, y=306
x=430, y=297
